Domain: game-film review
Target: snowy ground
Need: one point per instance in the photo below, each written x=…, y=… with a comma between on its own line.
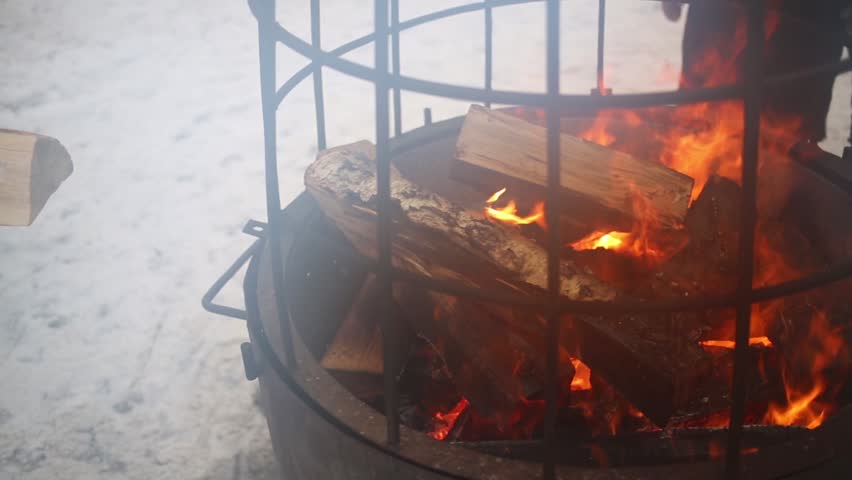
x=108, y=366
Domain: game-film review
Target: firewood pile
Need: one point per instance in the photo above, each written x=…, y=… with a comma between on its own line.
x=634, y=228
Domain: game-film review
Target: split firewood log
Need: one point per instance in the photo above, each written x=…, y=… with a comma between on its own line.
x=357, y=344
x=493, y=368
x=496, y=148
x=635, y=353
x=31, y=168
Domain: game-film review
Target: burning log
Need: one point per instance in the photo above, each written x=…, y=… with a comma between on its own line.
x=495, y=148
x=708, y=263
x=437, y=238
x=434, y=237
x=492, y=368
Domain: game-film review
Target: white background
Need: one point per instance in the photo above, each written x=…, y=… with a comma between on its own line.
x=108, y=366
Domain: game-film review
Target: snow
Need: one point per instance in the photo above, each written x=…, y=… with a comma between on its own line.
x=109, y=368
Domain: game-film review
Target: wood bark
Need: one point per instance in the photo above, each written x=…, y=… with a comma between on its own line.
x=434, y=237
x=31, y=168
x=496, y=149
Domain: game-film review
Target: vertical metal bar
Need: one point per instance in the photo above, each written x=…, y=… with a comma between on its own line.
x=319, y=102
x=551, y=212
x=489, y=49
x=266, y=41
x=427, y=116
x=601, y=35
x=383, y=226
x=397, y=95
x=753, y=77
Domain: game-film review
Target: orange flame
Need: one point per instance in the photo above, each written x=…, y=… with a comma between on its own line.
x=599, y=239
x=446, y=421
x=509, y=213
x=764, y=342
x=639, y=242
x=600, y=130
x=804, y=406
x=702, y=140
x=582, y=376
x=634, y=243
x=801, y=409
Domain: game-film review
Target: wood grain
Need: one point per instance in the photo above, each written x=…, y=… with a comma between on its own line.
x=496, y=148
x=31, y=168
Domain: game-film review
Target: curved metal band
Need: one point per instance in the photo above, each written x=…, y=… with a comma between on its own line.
x=592, y=102
x=259, y=338
x=614, y=307
x=272, y=32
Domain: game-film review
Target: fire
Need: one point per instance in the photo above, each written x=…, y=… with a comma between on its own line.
x=805, y=406
x=764, y=342
x=641, y=241
x=636, y=243
x=800, y=410
x=702, y=140
x=444, y=422
x=600, y=131
x=608, y=241
x=509, y=213
x=582, y=376
x=496, y=196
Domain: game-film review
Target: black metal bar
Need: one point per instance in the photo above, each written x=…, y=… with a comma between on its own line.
x=259, y=338
x=397, y=93
x=601, y=34
x=255, y=228
x=213, y=291
x=753, y=71
x=489, y=48
x=266, y=39
x=552, y=305
x=536, y=302
x=319, y=102
x=633, y=100
x=554, y=245
x=383, y=224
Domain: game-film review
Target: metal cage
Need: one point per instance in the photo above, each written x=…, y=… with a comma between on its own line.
x=389, y=82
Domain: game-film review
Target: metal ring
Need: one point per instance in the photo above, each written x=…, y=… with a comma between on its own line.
x=592, y=102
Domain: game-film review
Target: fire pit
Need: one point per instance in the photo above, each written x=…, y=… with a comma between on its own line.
x=421, y=312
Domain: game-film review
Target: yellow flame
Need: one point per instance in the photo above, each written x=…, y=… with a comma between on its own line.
x=609, y=241
x=730, y=344
x=509, y=213
x=496, y=196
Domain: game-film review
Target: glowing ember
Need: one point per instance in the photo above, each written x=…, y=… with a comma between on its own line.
x=582, y=376
x=607, y=241
x=509, y=213
x=444, y=422
x=730, y=344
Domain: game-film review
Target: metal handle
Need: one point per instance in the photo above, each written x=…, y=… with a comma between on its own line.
x=253, y=228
